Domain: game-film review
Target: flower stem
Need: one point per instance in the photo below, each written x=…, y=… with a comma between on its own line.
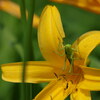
x=28, y=48
x=23, y=19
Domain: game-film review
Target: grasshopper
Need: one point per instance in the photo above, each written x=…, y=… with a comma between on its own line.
x=69, y=54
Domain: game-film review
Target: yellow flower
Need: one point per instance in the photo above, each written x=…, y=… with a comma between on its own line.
x=91, y=5
x=62, y=83
x=14, y=10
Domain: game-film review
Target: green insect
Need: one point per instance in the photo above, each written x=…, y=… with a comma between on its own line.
x=69, y=54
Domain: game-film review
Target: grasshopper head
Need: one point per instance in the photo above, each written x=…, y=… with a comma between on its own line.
x=68, y=46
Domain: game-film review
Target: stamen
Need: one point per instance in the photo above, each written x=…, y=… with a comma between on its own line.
x=56, y=75
x=76, y=90
x=66, y=86
x=71, y=81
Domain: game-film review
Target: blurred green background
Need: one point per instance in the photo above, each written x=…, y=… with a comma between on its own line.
x=75, y=22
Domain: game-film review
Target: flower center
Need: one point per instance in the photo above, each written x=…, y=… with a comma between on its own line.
x=73, y=77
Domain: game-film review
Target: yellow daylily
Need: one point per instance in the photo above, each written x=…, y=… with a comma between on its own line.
x=14, y=10
x=62, y=83
x=91, y=5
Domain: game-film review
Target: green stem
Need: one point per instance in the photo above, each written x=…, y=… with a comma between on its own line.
x=28, y=50
x=23, y=19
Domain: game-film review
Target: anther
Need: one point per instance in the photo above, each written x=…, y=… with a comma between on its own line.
x=71, y=81
x=76, y=90
x=56, y=75
x=66, y=86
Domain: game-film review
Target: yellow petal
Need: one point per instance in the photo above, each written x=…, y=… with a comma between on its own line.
x=53, y=91
x=86, y=43
x=35, y=72
x=14, y=10
x=91, y=73
x=50, y=34
x=57, y=19
x=89, y=85
x=91, y=5
x=80, y=94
